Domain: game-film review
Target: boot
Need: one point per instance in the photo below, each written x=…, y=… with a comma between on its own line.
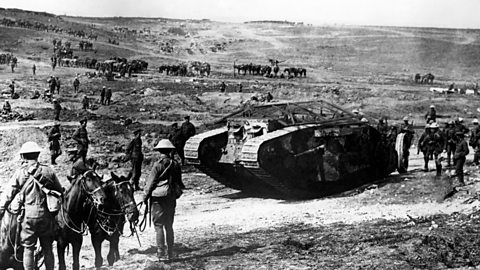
x=161, y=253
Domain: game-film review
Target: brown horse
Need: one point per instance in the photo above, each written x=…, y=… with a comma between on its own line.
x=107, y=222
x=84, y=196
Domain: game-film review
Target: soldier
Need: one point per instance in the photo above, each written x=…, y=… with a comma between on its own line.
x=382, y=127
x=423, y=146
x=81, y=137
x=450, y=137
x=460, y=127
x=431, y=116
x=165, y=173
x=38, y=222
x=76, y=84
x=12, y=89
x=34, y=68
x=52, y=83
x=58, y=84
x=475, y=141
x=102, y=96
x=108, y=96
x=436, y=145
x=57, y=108
x=134, y=153
x=407, y=128
x=269, y=97
x=188, y=129
x=79, y=166
x=461, y=151
x=6, y=107
x=54, y=140
x=223, y=86
x=176, y=138
x=85, y=102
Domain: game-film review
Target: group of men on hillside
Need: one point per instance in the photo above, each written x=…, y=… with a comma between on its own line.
x=434, y=141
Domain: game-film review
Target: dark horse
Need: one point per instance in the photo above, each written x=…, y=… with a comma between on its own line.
x=107, y=222
x=85, y=195
x=10, y=255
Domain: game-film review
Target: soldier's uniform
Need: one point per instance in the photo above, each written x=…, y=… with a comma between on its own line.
x=85, y=103
x=76, y=84
x=108, y=96
x=407, y=128
x=461, y=151
x=475, y=141
x=176, y=137
x=57, y=108
x=135, y=154
x=81, y=137
x=163, y=202
x=54, y=140
x=436, y=145
x=450, y=137
x=38, y=222
x=382, y=127
x=6, y=107
x=423, y=146
x=102, y=96
x=431, y=116
x=79, y=167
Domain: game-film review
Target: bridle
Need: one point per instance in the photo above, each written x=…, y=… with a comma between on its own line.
x=81, y=229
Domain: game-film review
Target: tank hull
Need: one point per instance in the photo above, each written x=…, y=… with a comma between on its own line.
x=301, y=161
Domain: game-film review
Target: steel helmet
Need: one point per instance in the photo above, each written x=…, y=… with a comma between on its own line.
x=30, y=147
x=434, y=125
x=364, y=120
x=405, y=118
x=432, y=106
x=164, y=144
x=355, y=111
x=475, y=121
x=460, y=119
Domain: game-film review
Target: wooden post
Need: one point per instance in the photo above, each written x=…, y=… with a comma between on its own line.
x=234, y=68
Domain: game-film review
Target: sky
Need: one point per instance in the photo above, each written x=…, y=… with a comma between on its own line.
x=422, y=13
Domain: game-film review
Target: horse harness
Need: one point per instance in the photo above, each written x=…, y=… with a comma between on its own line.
x=82, y=228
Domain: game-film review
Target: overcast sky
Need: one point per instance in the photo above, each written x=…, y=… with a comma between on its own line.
x=431, y=13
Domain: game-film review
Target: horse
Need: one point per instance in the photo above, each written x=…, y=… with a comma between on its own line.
x=428, y=78
x=417, y=78
x=9, y=234
x=107, y=223
x=85, y=194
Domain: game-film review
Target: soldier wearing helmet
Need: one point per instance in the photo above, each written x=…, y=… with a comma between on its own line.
x=81, y=137
x=166, y=173
x=431, y=116
x=423, y=145
x=54, y=142
x=382, y=127
x=461, y=151
x=31, y=182
x=450, y=138
x=475, y=141
x=436, y=144
x=460, y=127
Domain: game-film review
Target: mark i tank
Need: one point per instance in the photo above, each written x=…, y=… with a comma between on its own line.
x=293, y=150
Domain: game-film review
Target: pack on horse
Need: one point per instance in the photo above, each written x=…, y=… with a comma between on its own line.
x=84, y=196
x=107, y=223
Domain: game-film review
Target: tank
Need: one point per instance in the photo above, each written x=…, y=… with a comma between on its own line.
x=293, y=150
